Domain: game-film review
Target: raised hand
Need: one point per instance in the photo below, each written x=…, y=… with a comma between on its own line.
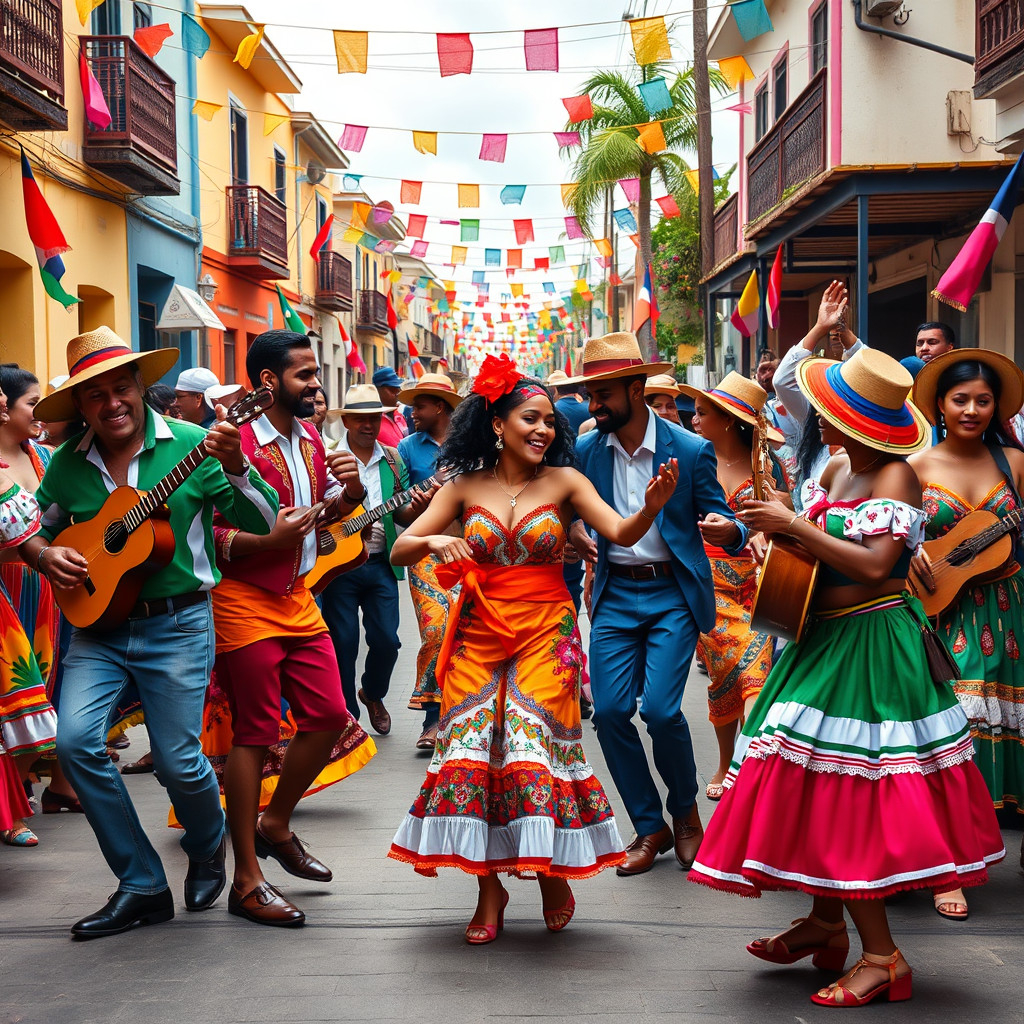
x=832, y=308
x=224, y=443
x=660, y=489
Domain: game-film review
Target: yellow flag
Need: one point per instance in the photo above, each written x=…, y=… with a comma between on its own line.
x=566, y=189
x=693, y=177
x=85, y=8
x=394, y=276
x=352, y=234
x=650, y=40
x=517, y=290
x=652, y=138
x=604, y=247
x=449, y=286
x=360, y=211
x=271, y=122
x=469, y=195
x=425, y=142
x=351, y=50
x=735, y=70
x=206, y=110
x=248, y=46
x=581, y=285
x=458, y=254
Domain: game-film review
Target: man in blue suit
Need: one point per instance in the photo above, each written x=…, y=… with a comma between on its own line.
x=651, y=600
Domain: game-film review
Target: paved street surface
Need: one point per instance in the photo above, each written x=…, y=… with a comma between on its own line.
x=382, y=943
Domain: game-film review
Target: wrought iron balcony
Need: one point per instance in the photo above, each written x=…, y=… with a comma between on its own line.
x=999, y=42
x=726, y=230
x=32, y=65
x=334, y=282
x=258, y=232
x=372, y=314
x=792, y=151
x=140, y=147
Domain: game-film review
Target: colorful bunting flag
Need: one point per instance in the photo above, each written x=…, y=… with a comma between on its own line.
x=655, y=95
x=625, y=220
x=469, y=231
x=735, y=70
x=524, y=231
x=206, y=110
x=410, y=192
x=669, y=206
x=492, y=147
x=323, y=236
x=351, y=182
x=248, y=46
x=568, y=139
x=631, y=189
x=774, y=296
x=454, y=53
x=579, y=108
x=651, y=138
x=419, y=248
x=97, y=113
x=742, y=108
x=614, y=280
x=479, y=277
x=425, y=142
x=514, y=258
x=541, y=46
x=751, y=18
x=392, y=312
x=573, y=229
x=747, y=312
x=383, y=212
x=650, y=40
x=46, y=236
x=352, y=138
x=549, y=288
x=352, y=234
x=351, y=48
x=512, y=195
x=271, y=122
x=417, y=225
x=646, y=307
x=567, y=190
x=194, y=38
x=458, y=254
x=541, y=263
x=149, y=38
x=492, y=257
x=517, y=290
x=603, y=246
x=693, y=177
x=469, y=196
x=385, y=245
x=292, y=320
x=556, y=253
x=85, y=8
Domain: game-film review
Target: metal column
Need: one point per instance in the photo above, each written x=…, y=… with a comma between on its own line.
x=862, y=268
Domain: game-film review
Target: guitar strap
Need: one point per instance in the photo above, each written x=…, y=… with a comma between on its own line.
x=1004, y=467
x=389, y=455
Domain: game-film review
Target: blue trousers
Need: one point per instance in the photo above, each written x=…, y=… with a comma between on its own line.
x=373, y=588
x=168, y=658
x=643, y=631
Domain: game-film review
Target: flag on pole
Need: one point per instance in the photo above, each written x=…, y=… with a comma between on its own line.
x=957, y=285
x=292, y=319
x=775, y=290
x=392, y=315
x=568, y=365
x=323, y=236
x=646, y=307
x=747, y=313
x=352, y=356
x=46, y=236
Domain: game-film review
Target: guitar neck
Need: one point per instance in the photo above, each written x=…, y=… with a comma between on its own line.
x=360, y=522
x=159, y=494
x=991, y=534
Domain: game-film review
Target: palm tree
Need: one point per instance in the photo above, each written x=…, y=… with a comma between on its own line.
x=610, y=150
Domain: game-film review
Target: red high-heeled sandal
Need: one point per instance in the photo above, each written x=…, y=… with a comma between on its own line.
x=896, y=988
x=481, y=934
x=830, y=956
x=557, y=919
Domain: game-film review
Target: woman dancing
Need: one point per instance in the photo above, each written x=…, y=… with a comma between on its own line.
x=968, y=394
x=852, y=747
x=509, y=788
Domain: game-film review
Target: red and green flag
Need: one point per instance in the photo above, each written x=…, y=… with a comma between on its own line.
x=46, y=236
x=292, y=320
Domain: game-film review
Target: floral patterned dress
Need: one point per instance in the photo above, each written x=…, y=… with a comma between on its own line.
x=983, y=631
x=509, y=787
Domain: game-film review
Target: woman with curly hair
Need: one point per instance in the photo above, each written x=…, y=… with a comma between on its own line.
x=509, y=788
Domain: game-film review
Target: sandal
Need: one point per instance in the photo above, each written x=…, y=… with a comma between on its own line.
x=714, y=791
x=951, y=905
x=481, y=934
x=828, y=956
x=20, y=835
x=896, y=988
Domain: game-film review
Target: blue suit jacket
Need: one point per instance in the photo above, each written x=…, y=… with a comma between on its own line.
x=697, y=494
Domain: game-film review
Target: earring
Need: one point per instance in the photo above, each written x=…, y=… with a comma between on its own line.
x=499, y=444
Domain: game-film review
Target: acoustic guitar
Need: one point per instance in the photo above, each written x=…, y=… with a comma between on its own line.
x=130, y=538
x=978, y=549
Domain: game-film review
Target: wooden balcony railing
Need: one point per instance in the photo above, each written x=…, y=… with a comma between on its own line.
x=334, y=282
x=792, y=151
x=726, y=230
x=258, y=231
x=140, y=147
x=372, y=314
x=999, y=33
x=32, y=65
x=432, y=343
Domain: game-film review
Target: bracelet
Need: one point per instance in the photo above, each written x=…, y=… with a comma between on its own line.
x=228, y=541
x=39, y=559
x=796, y=516
x=349, y=500
x=650, y=519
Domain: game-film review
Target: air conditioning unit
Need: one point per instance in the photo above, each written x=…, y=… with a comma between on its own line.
x=881, y=8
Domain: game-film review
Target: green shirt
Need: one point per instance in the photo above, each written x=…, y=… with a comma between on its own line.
x=76, y=484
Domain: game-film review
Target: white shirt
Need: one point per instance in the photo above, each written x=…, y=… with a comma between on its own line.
x=369, y=477
x=302, y=485
x=630, y=476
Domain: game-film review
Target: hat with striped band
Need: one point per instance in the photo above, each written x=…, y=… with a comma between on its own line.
x=865, y=397
x=739, y=397
x=363, y=400
x=432, y=385
x=615, y=355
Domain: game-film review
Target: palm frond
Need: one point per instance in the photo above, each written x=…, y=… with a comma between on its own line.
x=610, y=155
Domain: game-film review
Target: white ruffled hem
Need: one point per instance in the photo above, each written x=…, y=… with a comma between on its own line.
x=20, y=518
x=29, y=732
x=870, y=518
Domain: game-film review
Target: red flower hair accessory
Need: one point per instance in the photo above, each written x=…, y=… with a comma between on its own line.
x=497, y=376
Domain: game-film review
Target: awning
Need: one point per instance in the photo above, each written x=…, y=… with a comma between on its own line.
x=187, y=310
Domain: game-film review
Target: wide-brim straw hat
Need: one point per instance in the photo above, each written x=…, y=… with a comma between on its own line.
x=432, y=385
x=556, y=378
x=662, y=384
x=615, y=355
x=1011, y=396
x=362, y=400
x=97, y=352
x=865, y=397
x=739, y=397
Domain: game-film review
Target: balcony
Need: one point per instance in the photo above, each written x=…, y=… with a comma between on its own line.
x=726, y=232
x=32, y=65
x=432, y=344
x=334, y=282
x=372, y=314
x=258, y=238
x=999, y=43
x=792, y=151
x=140, y=147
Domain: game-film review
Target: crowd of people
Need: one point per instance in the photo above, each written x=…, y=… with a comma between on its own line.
x=283, y=528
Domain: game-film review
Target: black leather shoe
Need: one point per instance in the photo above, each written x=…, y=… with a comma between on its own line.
x=204, y=880
x=125, y=910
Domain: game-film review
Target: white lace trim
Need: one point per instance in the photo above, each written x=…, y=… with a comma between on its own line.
x=871, y=517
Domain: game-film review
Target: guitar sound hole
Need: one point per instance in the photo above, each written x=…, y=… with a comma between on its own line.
x=327, y=544
x=115, y=536
x=960, y=556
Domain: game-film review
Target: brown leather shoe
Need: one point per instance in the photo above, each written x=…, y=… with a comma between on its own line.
x=292, y=856
x=265, y=905
x=641, y=853
x=689, y=833
x=379, y=717
x=428, y=738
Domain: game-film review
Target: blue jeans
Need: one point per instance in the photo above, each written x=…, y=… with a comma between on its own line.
x=168, y=658
x=373, y=588
x=642, y=631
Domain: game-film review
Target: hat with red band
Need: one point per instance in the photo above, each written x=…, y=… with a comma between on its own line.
x=615, y=355
x=739, y=397
x=432, y=385
x=865, y=397
x=92, y=354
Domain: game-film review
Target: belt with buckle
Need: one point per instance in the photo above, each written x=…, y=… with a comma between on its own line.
x=166, y=605
x=650, y=571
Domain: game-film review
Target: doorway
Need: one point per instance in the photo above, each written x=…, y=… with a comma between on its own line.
x=893, y=316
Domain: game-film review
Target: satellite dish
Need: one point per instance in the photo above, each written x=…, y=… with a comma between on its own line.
x=315, y=172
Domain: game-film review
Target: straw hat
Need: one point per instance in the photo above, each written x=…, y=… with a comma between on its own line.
x=97, y=352
x=615, y=355
x=739, y=397
x=662, y=384
x=1011, y=394
x=362, y=400
x=432, y=385
x=866, y=398
x=556, y=378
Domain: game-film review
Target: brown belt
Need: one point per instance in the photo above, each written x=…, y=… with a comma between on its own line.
x=166, y=605
x=650, y=571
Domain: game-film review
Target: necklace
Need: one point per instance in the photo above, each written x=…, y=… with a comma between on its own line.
x=512, y=497
x=873, y=462
x=734, y=461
